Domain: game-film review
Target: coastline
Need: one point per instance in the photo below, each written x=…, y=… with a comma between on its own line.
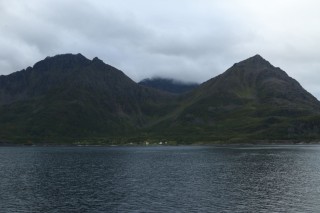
x=214, y=143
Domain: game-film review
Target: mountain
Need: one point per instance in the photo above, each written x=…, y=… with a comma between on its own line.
x=252, y=100
x=70, y=96
x=71, y=99
x=169, y=85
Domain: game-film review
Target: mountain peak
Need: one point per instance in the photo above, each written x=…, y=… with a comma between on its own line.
x=257, y=56
x=256, y=60
x=61, y=61
x=96, y=59
x=67, y=56
x=255, y=78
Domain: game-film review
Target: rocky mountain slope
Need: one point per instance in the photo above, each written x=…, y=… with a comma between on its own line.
x=70, y=96
x=252, y=100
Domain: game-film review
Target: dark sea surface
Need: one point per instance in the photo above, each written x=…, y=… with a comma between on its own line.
x=160, y=179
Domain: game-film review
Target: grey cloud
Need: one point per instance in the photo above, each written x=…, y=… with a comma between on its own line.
x=186, y=40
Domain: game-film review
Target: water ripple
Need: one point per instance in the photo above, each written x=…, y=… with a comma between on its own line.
x=160, y=179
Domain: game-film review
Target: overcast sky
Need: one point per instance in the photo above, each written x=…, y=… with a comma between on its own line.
x=189, y=40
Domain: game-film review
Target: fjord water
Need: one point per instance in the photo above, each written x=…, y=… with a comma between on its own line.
x=160, y=179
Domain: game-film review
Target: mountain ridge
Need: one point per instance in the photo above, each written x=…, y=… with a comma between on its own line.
x=71, y=98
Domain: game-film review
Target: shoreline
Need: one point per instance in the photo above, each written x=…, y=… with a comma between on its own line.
x=255, y=143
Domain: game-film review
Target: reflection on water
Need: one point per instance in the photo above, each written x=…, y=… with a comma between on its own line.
x=160, y=179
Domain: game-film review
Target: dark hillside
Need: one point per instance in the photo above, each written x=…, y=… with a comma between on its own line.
x=72, y=96
x=252, y=100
